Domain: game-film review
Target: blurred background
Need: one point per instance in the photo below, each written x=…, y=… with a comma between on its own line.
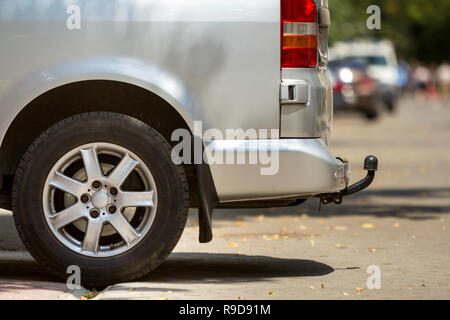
x=417, y=27
x=372, y=69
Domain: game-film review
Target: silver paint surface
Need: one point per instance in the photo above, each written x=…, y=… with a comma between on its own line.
x=214, y=61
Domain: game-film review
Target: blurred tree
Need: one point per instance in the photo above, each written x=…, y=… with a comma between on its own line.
x=418, y=28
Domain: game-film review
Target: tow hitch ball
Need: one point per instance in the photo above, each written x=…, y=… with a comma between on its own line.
x=371, y=165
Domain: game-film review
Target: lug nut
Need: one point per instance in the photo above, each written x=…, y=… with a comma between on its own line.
x=85, y=198
x=112, y=209
x=113, y=191
x=96, y=184
x=95, y=213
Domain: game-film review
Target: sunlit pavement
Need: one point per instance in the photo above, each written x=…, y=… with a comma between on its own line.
x=399, y=224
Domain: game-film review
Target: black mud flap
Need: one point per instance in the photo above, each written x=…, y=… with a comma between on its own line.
x=208, y=198
x=208, y=201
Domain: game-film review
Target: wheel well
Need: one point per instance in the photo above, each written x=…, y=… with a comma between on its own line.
x=87, y=96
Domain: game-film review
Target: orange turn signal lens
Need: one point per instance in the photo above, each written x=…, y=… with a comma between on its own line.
x=299, y=41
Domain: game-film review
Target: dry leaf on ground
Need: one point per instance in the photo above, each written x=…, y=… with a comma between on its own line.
x=240, y=223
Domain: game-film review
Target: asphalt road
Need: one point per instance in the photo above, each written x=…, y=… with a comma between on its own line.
x=400, y=225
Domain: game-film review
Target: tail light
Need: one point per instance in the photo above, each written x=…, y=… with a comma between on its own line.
x=366, y=85
x=298, y=34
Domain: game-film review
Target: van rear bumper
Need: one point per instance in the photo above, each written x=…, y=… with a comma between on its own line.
x=300, y=167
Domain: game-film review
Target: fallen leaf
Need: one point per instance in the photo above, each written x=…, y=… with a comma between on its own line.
x=312, y=288
x=232, y=244
x=323, y=286
x=321, y=220
x=368, y=226
x=396, y=225
x=312, y=242
x=266, y=237
x=372, y=249
x=302, y=227
x=344, y=293
x=304, y=216
x=244, y=239
x=271, y=293
x=340, y=228
x=360, y=289
x=83, y=298
x=338, y=245
x=240, y=223
x=277, y=236
x=261, y=217
x=241, y=298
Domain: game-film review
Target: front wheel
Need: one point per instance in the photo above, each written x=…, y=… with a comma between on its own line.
x=99, y=191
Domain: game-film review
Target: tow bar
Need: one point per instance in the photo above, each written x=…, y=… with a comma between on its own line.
x=371, y=165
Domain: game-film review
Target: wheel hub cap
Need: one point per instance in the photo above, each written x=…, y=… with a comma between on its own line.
x=100, y=199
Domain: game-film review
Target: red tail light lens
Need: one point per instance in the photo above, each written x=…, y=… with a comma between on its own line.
x=298, y=34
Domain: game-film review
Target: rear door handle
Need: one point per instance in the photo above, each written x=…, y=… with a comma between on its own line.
x=294, y=91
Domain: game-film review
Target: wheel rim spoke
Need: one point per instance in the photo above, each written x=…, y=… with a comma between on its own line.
x=136, y=199
x=122, y=170
x=67, y=216
x=86, y=224
x=123, y=227
x=92, y=236
x=91, y=164
x=66, y=184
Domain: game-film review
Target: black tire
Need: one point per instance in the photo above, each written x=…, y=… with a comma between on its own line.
x=371, y=115
x=391, y=105
x=148, y=145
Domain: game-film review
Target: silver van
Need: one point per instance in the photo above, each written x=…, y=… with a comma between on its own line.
x=117, y=116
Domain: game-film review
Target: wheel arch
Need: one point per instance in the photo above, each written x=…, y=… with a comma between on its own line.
x=74, y=98
x=114, y=84
x=78, y=97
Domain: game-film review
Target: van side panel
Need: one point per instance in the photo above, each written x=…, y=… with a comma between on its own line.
x=225, y=53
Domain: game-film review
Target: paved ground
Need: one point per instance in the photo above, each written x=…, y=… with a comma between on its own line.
x=400, y=225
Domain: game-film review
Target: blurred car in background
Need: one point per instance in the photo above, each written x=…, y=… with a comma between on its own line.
x=382, y=63
x=354, y=88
